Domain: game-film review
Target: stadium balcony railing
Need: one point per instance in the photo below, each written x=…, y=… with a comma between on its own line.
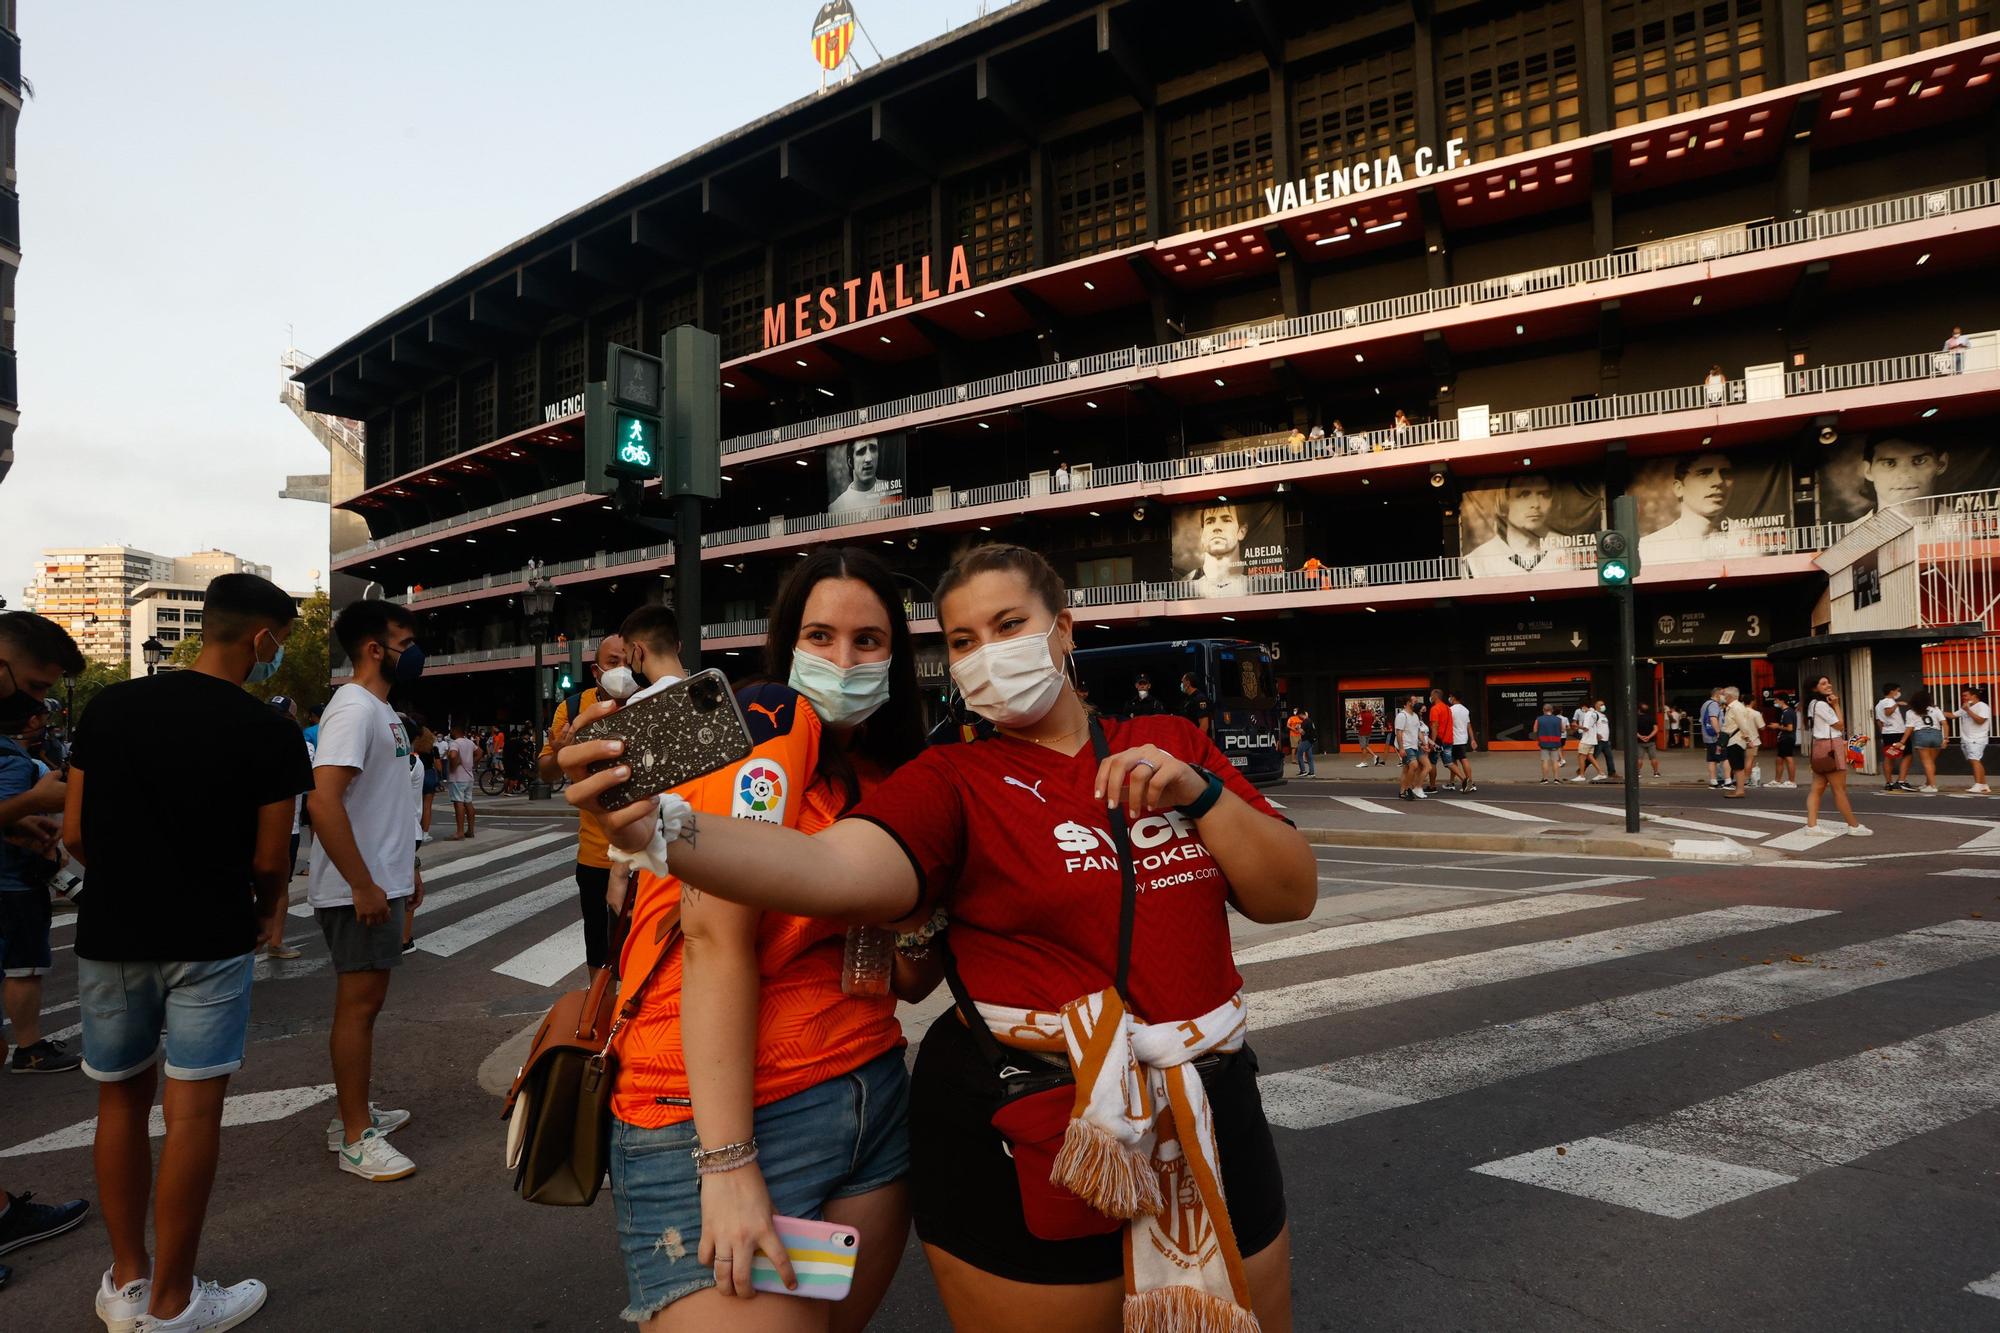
x=1277, y=450
x=1698, y=248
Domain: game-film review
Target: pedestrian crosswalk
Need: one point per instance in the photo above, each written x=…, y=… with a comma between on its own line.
x=1774, y=1122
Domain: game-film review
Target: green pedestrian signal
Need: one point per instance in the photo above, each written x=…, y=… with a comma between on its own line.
x=622, y=427
x=638, y=453
x=1618, y=546
x=565, y=683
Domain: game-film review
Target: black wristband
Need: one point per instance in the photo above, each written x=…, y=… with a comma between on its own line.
x=1205, y=802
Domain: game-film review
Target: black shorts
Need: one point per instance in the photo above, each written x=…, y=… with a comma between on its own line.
x=1787, y=747
x=1738, y=758
x=968, y=1202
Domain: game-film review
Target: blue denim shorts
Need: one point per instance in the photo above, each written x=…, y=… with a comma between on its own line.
x=204, y=1008
x=846, y=1136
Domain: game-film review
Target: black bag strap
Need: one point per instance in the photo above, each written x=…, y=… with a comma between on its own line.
x=1128, y=911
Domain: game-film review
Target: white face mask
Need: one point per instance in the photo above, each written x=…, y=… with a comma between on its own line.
x=841, y=697
x=1011, y=682
x=618, y=683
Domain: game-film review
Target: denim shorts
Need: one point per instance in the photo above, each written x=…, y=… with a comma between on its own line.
x=204, y=1007
x=846, y=1136
x=1411, y=754
x=460, y=792
x=24, y=932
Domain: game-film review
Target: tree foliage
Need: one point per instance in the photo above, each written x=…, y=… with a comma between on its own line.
x=303, y=677
x=95, y=677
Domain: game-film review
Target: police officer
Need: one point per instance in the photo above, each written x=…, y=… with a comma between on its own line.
x=1145, y=703
x=1195, y=706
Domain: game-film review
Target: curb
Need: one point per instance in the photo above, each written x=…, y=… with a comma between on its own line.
x=1550, y=843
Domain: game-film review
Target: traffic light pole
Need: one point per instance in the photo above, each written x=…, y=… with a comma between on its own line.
x=687, y=578
x=1628, y=701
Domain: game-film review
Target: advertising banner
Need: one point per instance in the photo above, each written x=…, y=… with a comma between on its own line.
x=1218, y=547
x=1711, y=506
x=1513, y=704
x=864, y=474
x=1530, y=522
x=1864, y=472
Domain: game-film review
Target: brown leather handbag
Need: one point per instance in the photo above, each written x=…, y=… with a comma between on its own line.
x=558, y=1111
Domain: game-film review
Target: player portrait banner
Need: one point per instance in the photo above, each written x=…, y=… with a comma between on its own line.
x=1864, y=472
x=1531, y=522
x=1218, y=547
x=1712, y=505
x=864, y=474
x=833, y=33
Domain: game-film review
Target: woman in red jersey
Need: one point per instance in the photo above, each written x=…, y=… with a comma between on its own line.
x=749, y=1086
x=1010, y=834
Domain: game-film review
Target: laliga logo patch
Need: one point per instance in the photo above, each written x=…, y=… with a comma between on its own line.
x=760, y=792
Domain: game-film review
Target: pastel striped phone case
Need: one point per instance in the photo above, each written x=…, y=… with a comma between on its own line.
x=822, y=1255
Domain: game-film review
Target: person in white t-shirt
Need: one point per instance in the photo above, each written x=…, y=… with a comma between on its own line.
x=1410, y=745
x=461, y=762
x=1461, y=742
x=364, y=867
x=1889, y=731
x=1588, y=737
x=1823, y=722
x=1975, y=728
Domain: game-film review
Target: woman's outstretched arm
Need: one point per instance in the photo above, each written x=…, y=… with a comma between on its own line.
x=853, y=871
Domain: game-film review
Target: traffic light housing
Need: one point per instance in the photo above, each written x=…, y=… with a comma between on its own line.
x=623, y=426
x=1618, y=545
x=693, y=412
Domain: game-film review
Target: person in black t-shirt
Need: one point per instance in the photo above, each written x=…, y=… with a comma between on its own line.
x=180, y=803
x=1195, y=706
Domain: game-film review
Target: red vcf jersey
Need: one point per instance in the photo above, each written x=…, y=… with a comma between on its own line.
x=1011, y=838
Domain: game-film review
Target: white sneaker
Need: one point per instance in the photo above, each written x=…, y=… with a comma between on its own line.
x=1980, y=789
x=1598, y=777
x=1928, y=791
x=385, y=1122
x=1579, y=778
x=120, y=1307
x=1362, y=764
x=373, y=1159
x=1418, y=792
x=1818, y=831
x=212, y=1307
x=1860, y=831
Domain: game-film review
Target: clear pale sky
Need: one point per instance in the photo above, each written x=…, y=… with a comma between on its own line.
x=196, y=178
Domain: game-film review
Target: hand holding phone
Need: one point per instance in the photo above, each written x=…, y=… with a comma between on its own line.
x=822, y=1254
x=685, y=731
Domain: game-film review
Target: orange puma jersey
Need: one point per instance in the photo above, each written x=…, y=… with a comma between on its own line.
x=807, y=1030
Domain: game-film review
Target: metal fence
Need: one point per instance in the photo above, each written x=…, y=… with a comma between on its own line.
x=1702, y=248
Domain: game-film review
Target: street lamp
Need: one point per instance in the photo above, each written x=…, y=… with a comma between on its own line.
x=155, y=652
x=539, y=601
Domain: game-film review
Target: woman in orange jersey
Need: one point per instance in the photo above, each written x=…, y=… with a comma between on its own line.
x=1170, y=1211
x=749, y=1085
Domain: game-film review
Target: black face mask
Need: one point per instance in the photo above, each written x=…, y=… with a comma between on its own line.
x=16, y=708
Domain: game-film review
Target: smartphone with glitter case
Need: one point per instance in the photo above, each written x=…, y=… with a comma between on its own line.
x=822, y=1255
x=686, y=731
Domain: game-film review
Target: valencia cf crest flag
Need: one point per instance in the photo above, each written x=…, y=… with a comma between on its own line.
x=833, y=33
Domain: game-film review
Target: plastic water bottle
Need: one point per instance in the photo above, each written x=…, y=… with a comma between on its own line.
x=866, y=962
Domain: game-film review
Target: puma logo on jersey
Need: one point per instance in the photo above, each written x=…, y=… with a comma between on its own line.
x=766, y=710
x=1034, y=791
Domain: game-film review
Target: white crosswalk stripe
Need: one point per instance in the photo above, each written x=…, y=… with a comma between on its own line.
x=548, y=962
x=1364, y=805
x=1970, y=872
x=250, y=1108
x=1316, y=999
x=1778, y=1131
x=1673, y=821
x=1986, y=1287
x=1422, y=1071
x=482, y=926
x=453, y=869
x=436, y=900
x=1497, y=811
x=1362, y=933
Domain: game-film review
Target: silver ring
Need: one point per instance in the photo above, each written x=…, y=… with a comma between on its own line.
x=1147, y=762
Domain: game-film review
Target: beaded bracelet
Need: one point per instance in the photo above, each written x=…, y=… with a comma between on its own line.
x=729, y=1157
x=916, y=944
x=724, y=1168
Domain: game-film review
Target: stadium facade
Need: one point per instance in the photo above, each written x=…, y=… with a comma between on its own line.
x=1328, y=327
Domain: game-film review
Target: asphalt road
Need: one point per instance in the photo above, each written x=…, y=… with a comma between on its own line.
x=1512, y=1092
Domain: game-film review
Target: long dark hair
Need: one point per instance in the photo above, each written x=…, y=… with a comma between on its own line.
x=1921, y=705
x=895, y=734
